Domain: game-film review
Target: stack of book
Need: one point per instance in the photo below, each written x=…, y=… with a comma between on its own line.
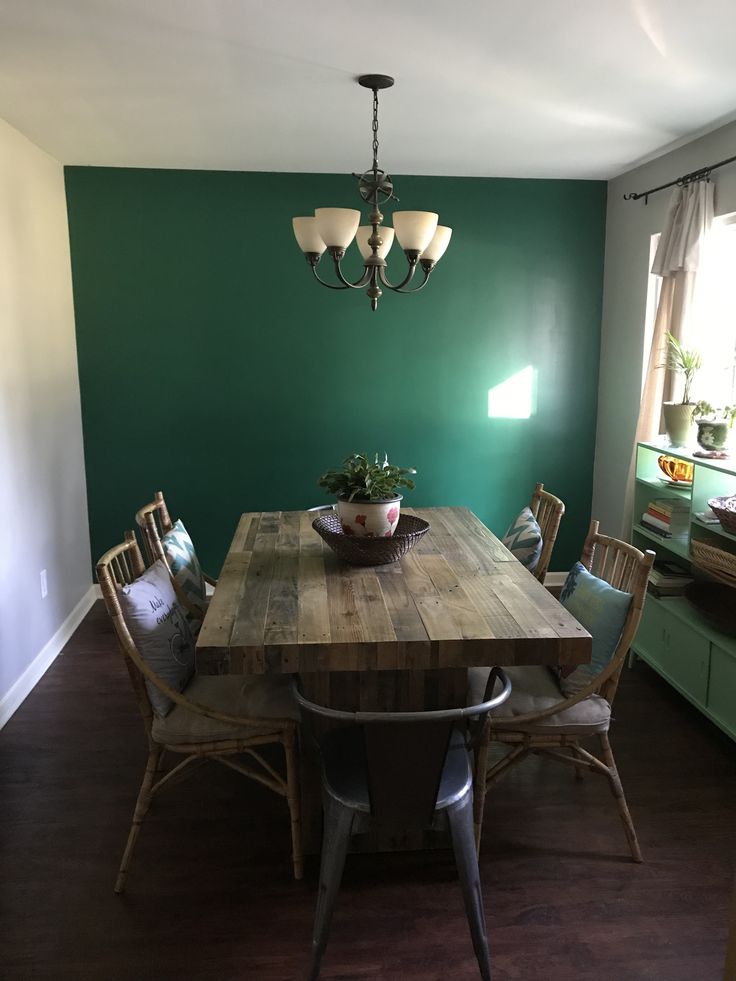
x=667, y=517
x=668, y=579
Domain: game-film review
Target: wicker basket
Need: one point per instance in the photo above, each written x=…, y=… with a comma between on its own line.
x=371, y=551
x=716, y=562
x=724, y=508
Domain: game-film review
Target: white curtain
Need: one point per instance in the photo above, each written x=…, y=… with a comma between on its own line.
x=689, y=219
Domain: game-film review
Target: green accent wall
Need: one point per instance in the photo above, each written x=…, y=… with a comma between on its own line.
x=212, y=366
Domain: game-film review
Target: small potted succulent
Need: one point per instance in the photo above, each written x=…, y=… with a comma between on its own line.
x=678, y=416
x=714, y=425
x=368, y=498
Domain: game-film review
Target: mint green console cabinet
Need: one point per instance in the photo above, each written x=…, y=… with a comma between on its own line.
x=722, y=688
x=694, y=657
x=678, y=651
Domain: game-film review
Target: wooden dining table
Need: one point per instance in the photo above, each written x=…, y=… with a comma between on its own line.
x=392, y=637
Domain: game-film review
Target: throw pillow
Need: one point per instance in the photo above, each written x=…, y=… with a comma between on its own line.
x=184, y=564
x=602, y=610
x=524, y=539
x=160, y=631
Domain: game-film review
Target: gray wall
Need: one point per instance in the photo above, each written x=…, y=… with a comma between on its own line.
x=43, y=510
x=629, y=227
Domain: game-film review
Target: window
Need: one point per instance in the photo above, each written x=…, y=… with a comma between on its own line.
x=711, y=327
x=712, y=330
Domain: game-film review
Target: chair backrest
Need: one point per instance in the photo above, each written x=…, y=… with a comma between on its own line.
x=154, y=521
x=405, y=753
x=624, y=567
x=548, y=511
x=118, y=567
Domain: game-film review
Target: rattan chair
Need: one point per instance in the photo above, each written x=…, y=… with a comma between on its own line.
x=220, y=735
x=556, y=725
x=154, y=521
x=548, y=511
x=400, y=770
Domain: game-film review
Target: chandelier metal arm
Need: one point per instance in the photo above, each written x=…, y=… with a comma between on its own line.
x=413, y=258
x=426, y=269
x=346, y=284
x=330, y=286
x=313, y=259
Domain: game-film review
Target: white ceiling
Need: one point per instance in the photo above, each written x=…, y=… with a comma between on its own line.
x=545, y=88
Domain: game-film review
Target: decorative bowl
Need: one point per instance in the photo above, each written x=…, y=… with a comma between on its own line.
x=370, y=551
x=678, y=471
x=724, y=508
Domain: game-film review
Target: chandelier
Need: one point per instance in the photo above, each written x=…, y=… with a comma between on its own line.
x=333, y=229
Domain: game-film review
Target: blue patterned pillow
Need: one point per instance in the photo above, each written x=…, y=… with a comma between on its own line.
x=602, y=610
x=184, y=564
x=524, y=539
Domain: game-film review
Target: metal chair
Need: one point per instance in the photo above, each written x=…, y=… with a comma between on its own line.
x=400, y=770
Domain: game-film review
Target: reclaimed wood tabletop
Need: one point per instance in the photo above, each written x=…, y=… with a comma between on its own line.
x=285, y=603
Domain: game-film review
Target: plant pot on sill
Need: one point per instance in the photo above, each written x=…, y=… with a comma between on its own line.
x=678, y=422
x=370, y=519
x=713, y=435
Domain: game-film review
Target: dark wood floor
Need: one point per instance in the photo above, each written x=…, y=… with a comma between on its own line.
x=210, y=894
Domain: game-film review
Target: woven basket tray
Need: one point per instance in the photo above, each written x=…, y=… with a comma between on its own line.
x=724, y=508
x=717, y=563
x=370, y=551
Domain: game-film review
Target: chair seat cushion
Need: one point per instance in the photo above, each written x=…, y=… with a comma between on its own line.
x=345, y=771
x=534, y=689
x=254, y=697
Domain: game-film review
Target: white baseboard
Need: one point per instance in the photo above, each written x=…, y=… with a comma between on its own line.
x=15, y=697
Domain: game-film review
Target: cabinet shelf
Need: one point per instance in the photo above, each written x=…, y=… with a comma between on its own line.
x=679, y=545
x=666, y=489
x=714, y=529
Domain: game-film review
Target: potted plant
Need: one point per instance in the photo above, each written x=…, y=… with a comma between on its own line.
x=678, y=416
x=368, y=498
x=714, y=425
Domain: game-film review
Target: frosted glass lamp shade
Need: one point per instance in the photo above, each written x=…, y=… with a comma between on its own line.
x=306, y=234
x=365, y=232
x=337, y=226
x=415, y=229
x=438, y=246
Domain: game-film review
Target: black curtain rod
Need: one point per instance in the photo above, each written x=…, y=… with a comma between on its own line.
x=696, y=175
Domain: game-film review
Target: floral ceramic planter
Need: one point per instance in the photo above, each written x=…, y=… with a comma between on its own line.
x=713, y=435
x=370, y=519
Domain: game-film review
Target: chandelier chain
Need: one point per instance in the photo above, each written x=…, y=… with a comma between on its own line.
x=375, y=129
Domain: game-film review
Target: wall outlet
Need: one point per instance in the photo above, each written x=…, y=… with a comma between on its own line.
x=44, y=585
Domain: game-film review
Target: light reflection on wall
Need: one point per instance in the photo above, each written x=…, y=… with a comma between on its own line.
x=514, y=398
